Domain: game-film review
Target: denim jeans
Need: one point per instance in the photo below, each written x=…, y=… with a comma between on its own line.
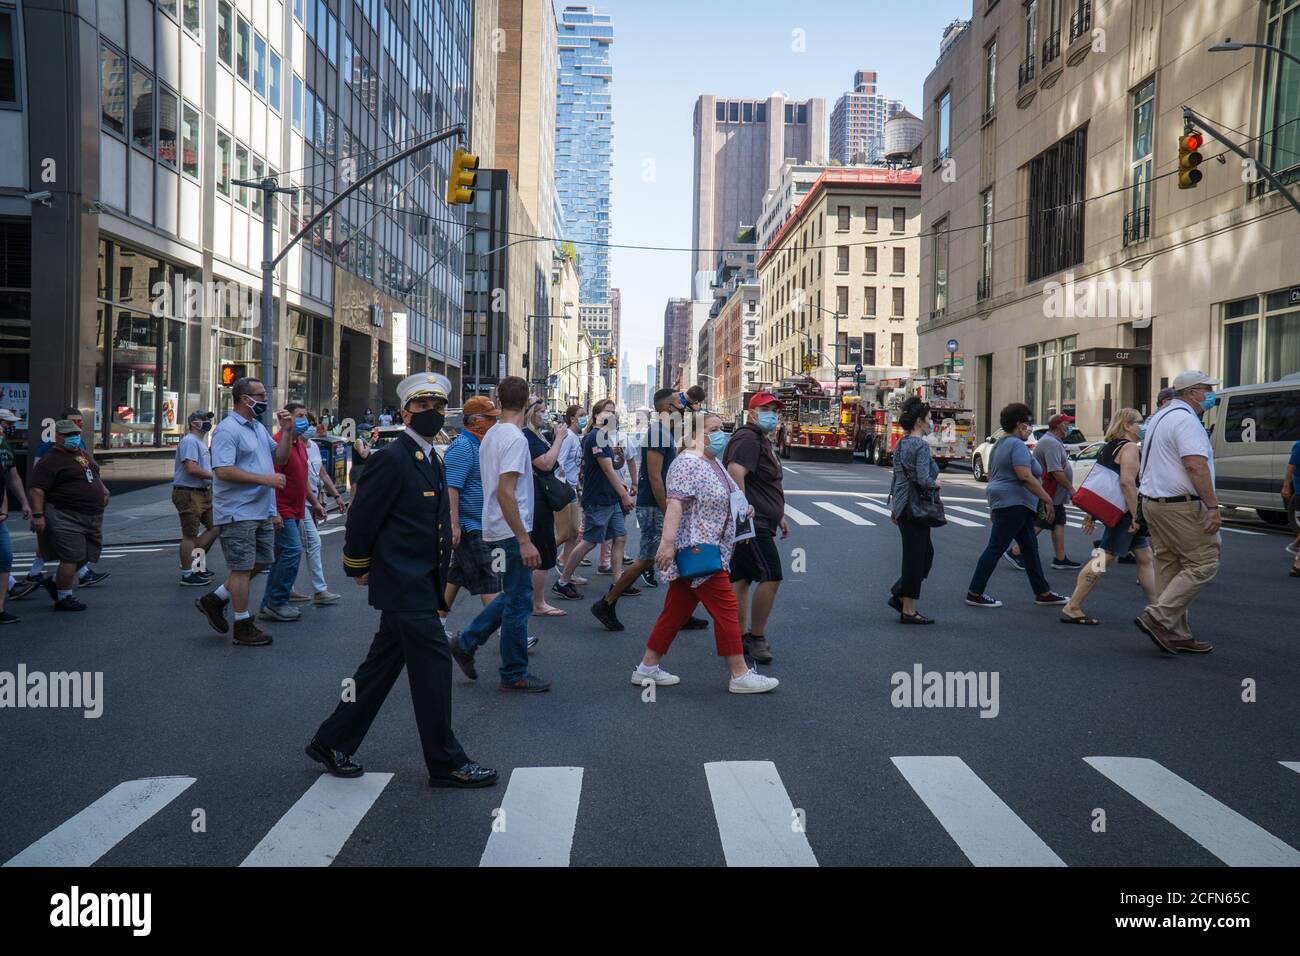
x=509, y=611
x=6, y=551
x=311, y=544
x=1015, y=523
x=288, y=555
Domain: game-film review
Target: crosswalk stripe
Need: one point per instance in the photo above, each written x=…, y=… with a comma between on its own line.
x=987, y=830
x=966, y=511
x=315, y=828
x=789, y=469
x=963, y=522
x=848, y=516
x=326, y=531
x=1291, y=764
x=537, y=818
x=872, y=506
x=1258, y=534
x=756, y=820
x=84, y=838
x=1215, y=826
x=799, y=517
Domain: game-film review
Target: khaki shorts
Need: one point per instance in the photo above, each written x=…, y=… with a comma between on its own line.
x=194, y=505
x=72, y=537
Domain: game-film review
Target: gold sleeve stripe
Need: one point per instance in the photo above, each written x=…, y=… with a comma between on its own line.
x=356, y=562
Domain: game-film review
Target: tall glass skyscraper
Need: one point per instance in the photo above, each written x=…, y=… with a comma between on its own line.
x=584, y=141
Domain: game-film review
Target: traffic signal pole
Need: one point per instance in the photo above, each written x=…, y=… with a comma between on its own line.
x=1194, y=118
x=270, y=188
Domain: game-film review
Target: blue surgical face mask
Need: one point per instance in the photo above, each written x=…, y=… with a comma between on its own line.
x=767, y=421
x=582, y=422
x=718, y=443
x=301, y=426
x=72, y=441
x=1209, y=401
x=1142, y=431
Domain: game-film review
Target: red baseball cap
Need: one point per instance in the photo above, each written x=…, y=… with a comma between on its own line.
x=763, y=398
x=1060, y=420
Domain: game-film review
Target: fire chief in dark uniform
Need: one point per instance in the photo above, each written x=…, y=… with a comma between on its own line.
x=398, y=541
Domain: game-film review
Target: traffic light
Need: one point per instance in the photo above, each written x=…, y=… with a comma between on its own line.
x=232, y=372
x=1189, y=157
x=461, y=181
x=727, y=361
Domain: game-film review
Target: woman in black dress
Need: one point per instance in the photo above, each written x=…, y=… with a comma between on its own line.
x=545, y=452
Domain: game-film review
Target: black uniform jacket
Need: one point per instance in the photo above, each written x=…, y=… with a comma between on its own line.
x=399, y=528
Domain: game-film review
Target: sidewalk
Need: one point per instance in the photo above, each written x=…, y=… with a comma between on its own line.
x=145, y=516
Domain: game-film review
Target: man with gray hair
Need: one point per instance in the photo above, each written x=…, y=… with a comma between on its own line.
x=1164, y=397
x=1178, y=503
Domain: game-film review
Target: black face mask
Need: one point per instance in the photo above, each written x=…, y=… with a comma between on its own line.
x=427, y=423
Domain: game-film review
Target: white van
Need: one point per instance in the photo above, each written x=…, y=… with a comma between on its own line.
x=1253, y=428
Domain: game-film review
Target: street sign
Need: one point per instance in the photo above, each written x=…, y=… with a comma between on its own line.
x=1293, y=295
x=858, y=368
x=952, y=345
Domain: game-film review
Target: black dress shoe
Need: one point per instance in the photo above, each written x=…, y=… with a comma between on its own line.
x=896, y=603
x=335, y=761
x=466, y=778
x=695, y=624
x=464, y=661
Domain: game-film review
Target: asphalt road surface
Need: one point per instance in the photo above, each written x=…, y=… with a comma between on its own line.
x=1101, y=751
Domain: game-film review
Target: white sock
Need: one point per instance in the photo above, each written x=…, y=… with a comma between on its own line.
x=63, y=593
x=13, y=581
x=222, y=593
x=37, y=567
x=645, y=668
x=83, y=571
x=242, y=615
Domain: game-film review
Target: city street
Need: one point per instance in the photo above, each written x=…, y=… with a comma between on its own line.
x=1097, y=750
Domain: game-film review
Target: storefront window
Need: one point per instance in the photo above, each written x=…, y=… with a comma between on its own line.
x=134, y=400
x=1246, y=359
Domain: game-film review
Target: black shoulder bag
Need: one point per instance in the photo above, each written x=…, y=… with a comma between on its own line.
x=924, y=507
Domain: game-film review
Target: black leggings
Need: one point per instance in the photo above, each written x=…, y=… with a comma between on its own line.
x=918, y=556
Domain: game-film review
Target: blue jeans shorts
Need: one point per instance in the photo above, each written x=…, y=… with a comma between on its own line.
x=600, y=522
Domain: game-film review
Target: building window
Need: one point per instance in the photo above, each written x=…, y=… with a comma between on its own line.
x=900, y=261
x=841, y=258
x=142, y=109
x=873, y=219
x=896, y=349
x=869, y=302
x=872, y=257
x=842, y=218
x=273, y=82
x=986, y=244
x=900, y=219
x=842, y=300
x=112, y=90
x=168, y=117
x=243, y=48
x=940, y=253
x=1050, y=377
x=1255, y=351
x=223, y=162
x=168, y=7
x=899, y=304
x=943, y=112
x=258, y=170
x=733, y=112
x=869, y=348
x=259, y=65
x=190, y=119
x=1144, y=101
x=297, y=103
x=1057, y=188
x=191, y=15
x=224, y=17
x=991, y=80
x=748, y=113
x=8, y=57
x=1280, y=143
x=241, y=172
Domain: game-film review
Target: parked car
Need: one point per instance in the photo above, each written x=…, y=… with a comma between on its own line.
x=1081, y=463
x=979, y=459
x=1252, y=429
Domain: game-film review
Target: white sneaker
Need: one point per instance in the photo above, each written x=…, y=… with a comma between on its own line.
x=1292, y=549
x=752, y=683
x=656, y=674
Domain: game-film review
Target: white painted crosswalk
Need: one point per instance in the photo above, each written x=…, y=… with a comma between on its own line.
x=757, y=821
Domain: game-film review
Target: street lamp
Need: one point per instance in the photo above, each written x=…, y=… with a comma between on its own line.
x=1230, y=45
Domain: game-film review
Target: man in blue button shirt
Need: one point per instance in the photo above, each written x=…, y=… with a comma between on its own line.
x=244, y=457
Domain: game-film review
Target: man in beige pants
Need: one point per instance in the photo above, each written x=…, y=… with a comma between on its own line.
x=1176, y=484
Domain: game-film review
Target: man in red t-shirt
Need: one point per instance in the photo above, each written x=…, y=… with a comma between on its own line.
x=291, y=503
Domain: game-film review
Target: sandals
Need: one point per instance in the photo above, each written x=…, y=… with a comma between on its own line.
x=915, y=618
x=550, y=612
x=1082, y=619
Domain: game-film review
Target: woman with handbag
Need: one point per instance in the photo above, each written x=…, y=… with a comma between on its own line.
x=694, y=558
x=1014, y=490
x=547, y=488
x=915, y=508
x=1120, y=455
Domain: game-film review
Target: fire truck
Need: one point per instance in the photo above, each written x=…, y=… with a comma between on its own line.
x=814, y=423
x=877, y=430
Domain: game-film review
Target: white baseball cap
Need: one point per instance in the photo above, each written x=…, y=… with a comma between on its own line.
x=1191, y=378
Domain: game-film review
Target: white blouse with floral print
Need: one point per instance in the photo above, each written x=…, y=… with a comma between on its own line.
x=704, y=489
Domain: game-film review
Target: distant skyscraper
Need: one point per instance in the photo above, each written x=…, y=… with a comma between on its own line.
x=739, y=148
x=584, y=141
x=858, y=121
x=677, y=342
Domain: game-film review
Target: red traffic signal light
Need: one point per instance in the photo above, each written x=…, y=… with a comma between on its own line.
x=1189, y=158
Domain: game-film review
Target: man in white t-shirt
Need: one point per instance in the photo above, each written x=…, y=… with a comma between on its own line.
x=1176, y=485
x=507, y=470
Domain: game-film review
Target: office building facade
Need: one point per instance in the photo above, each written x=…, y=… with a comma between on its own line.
x=858, y=122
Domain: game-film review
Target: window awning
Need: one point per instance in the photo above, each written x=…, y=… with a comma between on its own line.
x=1113, y=358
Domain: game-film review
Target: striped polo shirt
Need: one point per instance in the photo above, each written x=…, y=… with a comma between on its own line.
x=461, y=461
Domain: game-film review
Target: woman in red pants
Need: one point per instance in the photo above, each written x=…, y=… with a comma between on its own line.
x=699, y=513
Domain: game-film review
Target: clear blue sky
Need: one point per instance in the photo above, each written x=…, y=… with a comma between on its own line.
x=668, y=52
